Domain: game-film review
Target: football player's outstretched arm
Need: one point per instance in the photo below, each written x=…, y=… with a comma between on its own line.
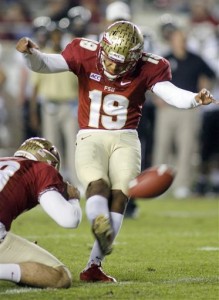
x=66, y=213
x=182, y=98
x=40, y=62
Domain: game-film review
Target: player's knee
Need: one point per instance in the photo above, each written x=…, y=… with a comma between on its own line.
x=118, y=202
x=98, y=187
x=64, y=279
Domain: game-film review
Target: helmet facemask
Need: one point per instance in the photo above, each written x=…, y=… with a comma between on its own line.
x=40, y=149
x=122, y=44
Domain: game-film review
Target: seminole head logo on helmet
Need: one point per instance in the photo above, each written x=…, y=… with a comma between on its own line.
x=122, y=44
x=40, y=149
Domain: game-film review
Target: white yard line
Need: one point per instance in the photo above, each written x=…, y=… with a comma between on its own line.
x=187, y=214
x=171, y=281
x=21, y=291
x=192, y=279
x=208, y=248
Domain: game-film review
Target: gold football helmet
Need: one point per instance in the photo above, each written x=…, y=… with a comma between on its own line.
x=40, y=149
x=121, y=43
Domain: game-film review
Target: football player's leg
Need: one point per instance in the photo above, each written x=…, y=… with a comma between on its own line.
x=97, y=211
x=125, y=164
x=42, y=276
x=91, y=162
x=186, y=144
x=165, y=127
x=92, y=169
x=26, y=263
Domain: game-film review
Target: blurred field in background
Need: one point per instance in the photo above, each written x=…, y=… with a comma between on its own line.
x=170, y=251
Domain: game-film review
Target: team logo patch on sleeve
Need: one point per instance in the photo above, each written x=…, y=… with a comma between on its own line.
x=95, y=77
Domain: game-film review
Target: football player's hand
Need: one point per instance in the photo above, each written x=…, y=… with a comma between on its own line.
x=204, y=97
x=72, y=192
x=24, y=45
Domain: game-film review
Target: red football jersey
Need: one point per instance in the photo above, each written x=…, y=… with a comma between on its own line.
x=111, y=104
x=21, y=182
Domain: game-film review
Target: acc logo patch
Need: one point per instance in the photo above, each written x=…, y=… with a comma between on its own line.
x=95, y=77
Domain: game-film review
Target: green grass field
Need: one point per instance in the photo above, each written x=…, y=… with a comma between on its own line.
x=170, y=251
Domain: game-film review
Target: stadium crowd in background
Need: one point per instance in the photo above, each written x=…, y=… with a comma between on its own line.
x=4, y=133
x=58, y=98
x=176, y=132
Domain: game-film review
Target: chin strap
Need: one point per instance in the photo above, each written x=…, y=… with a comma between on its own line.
x=109, y=76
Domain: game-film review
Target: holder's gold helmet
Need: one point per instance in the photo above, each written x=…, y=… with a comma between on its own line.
x=121, y=43
x=41, y=150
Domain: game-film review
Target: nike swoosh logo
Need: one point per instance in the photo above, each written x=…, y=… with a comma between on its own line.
x=124, y=83
x=82, y=138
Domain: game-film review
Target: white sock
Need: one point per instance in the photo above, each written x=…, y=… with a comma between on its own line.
x=11, y=272
x=96, y=255
x=95, y=206
x=117, y=220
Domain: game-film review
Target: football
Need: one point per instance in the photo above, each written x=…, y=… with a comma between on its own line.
x=152, y=182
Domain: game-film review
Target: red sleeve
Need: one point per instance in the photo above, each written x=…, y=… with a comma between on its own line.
x=48, y=177
x=156, y=69
x=72, y=55
x=163, y=73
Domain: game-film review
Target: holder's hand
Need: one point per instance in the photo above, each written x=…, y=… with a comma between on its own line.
x=72, y=192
